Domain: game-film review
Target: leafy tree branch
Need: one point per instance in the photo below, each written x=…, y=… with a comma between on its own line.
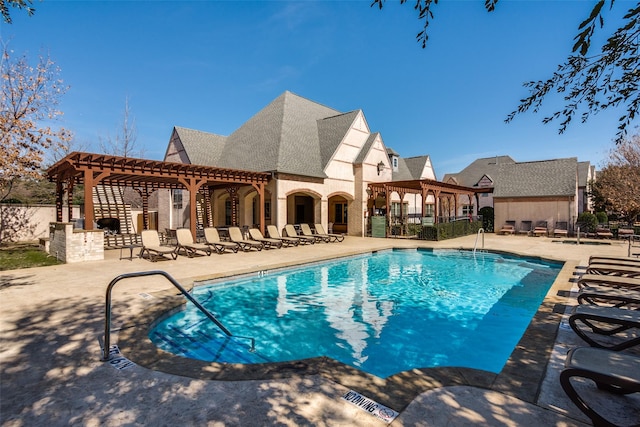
x=588, y=82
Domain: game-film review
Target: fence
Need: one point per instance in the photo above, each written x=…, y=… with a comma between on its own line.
x=446, y=228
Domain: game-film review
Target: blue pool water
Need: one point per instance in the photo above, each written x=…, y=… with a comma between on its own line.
x=383, y=313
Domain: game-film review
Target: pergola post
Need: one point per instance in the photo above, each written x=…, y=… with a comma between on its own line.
x=69, y=200
x=59, y=193
x=88, y=199
x=233, y=196
x=206, y=190
x=260, y=190
x=145, y=208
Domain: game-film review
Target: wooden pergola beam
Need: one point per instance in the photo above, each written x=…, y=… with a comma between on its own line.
x=92, y=169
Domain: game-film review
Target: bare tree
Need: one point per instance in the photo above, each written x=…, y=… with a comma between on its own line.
x=29, y=97
x=125, y=143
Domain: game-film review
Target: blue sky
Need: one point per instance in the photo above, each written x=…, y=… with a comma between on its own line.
x=211, y=65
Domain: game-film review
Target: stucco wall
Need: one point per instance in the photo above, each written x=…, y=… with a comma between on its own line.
x=28, y=223
x=550, y=210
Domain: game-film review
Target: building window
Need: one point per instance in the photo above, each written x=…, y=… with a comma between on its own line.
x=177, y=199
x=227, y=212
x=395, y=163
x=467, y=210
x=340, y=213
x=267, y=210
x=429, y=209
x=395, y=209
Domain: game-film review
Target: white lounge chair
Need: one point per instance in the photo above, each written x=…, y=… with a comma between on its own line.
x=614, y=270
x=619, y=325
x=266, y=241
x=614, y=372
x=235, y=234
x=291, y=232
x=332, y=236
x=212, y=238
x=272, y=230
x=508, y=228
x=610, y=281
x=187, y=244
x=151, y=245
x=306, y=231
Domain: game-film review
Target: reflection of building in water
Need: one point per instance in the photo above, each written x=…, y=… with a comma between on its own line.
x=283, y=305
x=349, y=308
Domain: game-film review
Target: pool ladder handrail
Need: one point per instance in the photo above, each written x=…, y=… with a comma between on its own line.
x=107, y=314
x=480, y=231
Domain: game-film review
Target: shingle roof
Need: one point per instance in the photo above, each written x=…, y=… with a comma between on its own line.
x=366, y=147
x=473, y=173
x=331, y=131
x=535, y=179
x=282, y=137
x=202, y=148
x=410, y=168
x=583, y=173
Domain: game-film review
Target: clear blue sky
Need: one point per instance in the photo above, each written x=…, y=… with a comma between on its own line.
x=211, y=65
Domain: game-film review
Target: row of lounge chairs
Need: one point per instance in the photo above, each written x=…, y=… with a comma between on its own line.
x=607, y=318
x=187, y=245
x=541, y=228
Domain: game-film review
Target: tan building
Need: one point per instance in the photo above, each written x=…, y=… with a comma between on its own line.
x=542, y=192
x=321, y=161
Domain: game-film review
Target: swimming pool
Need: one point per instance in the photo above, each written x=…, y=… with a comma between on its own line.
x=382, y=313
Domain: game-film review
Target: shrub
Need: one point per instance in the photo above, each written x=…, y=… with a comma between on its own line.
x=487, y=218
x=602, y=217
x=587, y=222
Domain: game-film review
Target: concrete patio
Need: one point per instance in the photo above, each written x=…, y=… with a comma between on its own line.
x=52, y=322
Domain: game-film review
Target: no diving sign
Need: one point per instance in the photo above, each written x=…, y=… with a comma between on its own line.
x=117, y=360
x=374, y=408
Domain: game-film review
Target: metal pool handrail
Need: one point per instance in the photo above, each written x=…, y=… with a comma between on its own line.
x=107, y=314
x=480, y=231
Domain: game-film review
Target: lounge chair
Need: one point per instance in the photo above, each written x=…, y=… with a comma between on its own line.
x=272, y=230
x=625, y=232
x=603, y=233
x=246, y=245
x=151, y=245
x=617, y=373
x=291, y=232
x=306, y=231
x=615, y=263
x=332, y=236
x=624, y=260
x=212, y=238
x=525, y=227
x=610, y=281
x=609, y=322
x=614, y=270
x=266, y=241
x=561, y=229
x=609, y=297
x=540, y=229
x=187, y=244
x=509, y=227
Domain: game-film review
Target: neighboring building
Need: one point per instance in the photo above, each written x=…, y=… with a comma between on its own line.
x=481, y=173
x=321, y=161
x=548, y=190
x=586, y=174
x=537, y=191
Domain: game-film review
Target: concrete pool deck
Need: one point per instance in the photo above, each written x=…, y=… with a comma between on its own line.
x=52, y=321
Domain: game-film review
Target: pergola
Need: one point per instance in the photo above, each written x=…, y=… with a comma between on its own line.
x=424, y=187
x=147, y=176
